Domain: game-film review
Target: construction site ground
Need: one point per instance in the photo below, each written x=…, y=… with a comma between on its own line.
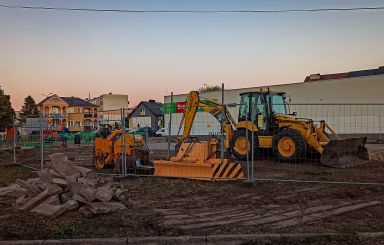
x=175, y=207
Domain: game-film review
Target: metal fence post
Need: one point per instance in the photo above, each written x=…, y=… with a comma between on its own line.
x=123, y=156
x=170, y=128
x=252, y=144
x=14, y=140
x=380, y=129
x=42, y=142
x=222, y=123
x=246, y=136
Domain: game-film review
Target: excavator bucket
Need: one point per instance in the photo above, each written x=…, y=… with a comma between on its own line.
x=345, y=153
x=197, y=160
x=215, y=171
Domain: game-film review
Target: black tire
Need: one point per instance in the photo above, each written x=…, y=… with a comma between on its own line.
x=300, y=146
x=239, y=134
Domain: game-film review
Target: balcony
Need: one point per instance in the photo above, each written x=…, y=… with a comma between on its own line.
x=90, y=115
x=57, y=115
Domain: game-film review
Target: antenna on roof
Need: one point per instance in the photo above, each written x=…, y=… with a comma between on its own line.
x=89, y=95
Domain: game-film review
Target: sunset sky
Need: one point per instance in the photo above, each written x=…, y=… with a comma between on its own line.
x=149, y=55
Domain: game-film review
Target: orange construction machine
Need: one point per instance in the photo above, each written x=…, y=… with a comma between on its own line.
x=109, y=153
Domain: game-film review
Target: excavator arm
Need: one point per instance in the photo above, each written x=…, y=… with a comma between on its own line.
x=216, y=109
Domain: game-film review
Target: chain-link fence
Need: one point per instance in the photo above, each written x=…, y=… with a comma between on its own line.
x=270, y=141
x=332, y=142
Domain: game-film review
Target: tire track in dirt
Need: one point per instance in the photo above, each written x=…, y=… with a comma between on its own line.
x=197, y=219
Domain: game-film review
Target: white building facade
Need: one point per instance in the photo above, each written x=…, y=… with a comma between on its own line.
x=110, y=107
x=349, y=104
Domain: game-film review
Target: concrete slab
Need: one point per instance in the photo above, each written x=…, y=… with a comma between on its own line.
x=88, y=193
x=85, y=212
x=35, y=201
x=47, y=210
x=104, y=194
x=87, y=181
x=105, y=207
x=84, y=171
x=54, y=211
x=62, y=165
x=60, y=181
x=79, y=199
x=73, y=178
x=30, y=187
x=53, y=200
x=22, y=200
x=75, y=188
x=45, y=175
x=13, y=191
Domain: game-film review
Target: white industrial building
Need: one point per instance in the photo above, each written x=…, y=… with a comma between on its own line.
x=351, y=103
x=110, y=107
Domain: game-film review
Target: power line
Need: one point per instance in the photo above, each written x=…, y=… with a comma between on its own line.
x=190, y=11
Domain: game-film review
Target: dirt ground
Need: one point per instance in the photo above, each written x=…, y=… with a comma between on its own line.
x=171, y=207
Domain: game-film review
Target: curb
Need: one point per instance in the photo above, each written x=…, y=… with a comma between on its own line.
x=228, y=239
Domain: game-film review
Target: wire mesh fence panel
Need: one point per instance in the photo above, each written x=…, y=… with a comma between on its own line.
x=324, y=142
x=196, y=142
x=107, y=147
x=309, y=142
x=70, y=133
x=29, y=137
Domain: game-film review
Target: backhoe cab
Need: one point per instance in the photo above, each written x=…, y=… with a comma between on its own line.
x=258, y=112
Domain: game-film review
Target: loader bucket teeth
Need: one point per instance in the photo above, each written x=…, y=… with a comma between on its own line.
x=345, y=153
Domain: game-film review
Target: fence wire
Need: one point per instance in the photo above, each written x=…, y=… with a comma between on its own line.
x=95, y=140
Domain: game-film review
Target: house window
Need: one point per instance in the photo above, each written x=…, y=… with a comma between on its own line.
x=78, y=110
x=142, y=112
x=87, y=123
x=70, y=123
x=55, y=109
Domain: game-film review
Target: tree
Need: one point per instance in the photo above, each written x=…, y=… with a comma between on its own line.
x=29, y=108
x=207, y=88
x=7, y=113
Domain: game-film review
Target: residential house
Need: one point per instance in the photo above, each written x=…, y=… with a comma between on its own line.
x=72, y=112
x=147, y=114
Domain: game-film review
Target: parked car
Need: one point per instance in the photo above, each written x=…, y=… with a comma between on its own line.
x=160, y=132
x=147, y=130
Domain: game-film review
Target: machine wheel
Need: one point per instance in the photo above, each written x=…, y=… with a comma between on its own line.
x=99, y=161
x=241, y=146
x=288, y=145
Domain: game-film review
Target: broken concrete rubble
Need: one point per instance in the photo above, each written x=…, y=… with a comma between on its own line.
x=88, y=193
x=54, y=200
x=63, y=187
x=35, y=201
x=60, y=181
x=105, y=207
x=13, y=191
x=104, y=194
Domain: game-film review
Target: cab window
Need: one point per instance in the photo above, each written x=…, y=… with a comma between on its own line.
x=278, y=104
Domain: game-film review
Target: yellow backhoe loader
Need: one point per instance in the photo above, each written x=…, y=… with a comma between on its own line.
x=290, y=138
